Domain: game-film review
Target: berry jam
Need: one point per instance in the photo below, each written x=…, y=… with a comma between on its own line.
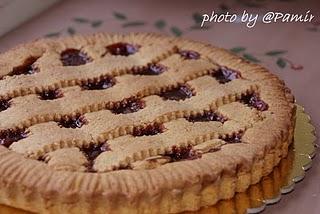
x=207, y=116
x=182, y=153
x=235, y=138
x=254, y=101
x=151, y=129
x=4, y=104
x=152, y=69
x=101, y=84
x=51, y=94
x=7, y=137
x=75, y=122
x=92, y=152
x=74, y=57
x=128, y=106
x=224, y=75
x=188, y=54
x=180, y=93
x=27, y=68
x=122, y=49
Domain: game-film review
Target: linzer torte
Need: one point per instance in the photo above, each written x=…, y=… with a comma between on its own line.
x=136, y=123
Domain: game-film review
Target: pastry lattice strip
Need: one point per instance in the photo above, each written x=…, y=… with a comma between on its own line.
x=96, y=132
x=127, y=150
x=28, y=110
x=53, y=75
x=104, y=125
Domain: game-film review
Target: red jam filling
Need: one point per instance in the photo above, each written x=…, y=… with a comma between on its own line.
x=74, y=57
x=7, y=137
x=101, y=84
x=180, y=93
x=122, y=49
x=74, y=122
x=128, y=106
x=207, y=116
x=188, y=54
x=51, y=94
x=224, y=75
x=148, y=130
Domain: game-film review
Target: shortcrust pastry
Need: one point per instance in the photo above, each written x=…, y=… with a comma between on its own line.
x=137, y=123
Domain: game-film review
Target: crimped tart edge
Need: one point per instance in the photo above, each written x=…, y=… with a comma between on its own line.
x=190, y=198
x=26, y=195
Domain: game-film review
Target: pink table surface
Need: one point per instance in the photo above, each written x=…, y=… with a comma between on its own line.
x=298, y=62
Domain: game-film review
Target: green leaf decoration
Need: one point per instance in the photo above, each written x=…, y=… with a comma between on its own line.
x=198, y=27
x=96, y=23
x=160, y=24
x=250, y=57
x=53, y=34
x=176, y=31
x=275, y=52
x=71, y=31
x=119, y=16
x=313, y=29
x=134, y=24
x=224, y=8
x=281, y=63
x=197, y=17
x=81, y=20
x=287, y=0
x=237, y=49
x=250, y=3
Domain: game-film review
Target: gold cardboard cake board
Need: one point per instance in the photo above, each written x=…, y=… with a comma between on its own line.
x=268, y=191
x=282, y=179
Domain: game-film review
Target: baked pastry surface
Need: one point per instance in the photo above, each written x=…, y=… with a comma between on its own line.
x=136, y=123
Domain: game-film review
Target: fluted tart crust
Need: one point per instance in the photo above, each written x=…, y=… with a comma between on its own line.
x=136, y=123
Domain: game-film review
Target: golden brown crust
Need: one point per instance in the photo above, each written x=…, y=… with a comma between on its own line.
x=158, y=188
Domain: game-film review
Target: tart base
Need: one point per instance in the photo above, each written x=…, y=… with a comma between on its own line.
x=171, y=188
x=190, y=199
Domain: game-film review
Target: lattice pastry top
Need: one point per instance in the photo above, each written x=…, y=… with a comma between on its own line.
x=126, y=116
